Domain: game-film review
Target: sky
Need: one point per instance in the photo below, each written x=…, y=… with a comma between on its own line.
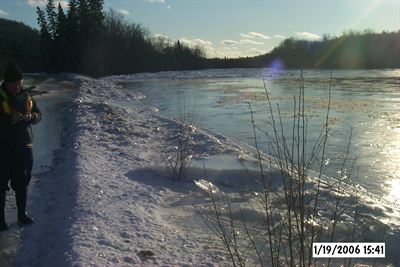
x=234, y=28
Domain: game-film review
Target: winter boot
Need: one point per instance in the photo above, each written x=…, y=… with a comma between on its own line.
x=23, y=218
x=3, y=224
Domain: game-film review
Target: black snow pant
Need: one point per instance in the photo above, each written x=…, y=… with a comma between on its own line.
x=15, y=167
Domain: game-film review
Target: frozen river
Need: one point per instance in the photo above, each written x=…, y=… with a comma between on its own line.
x=365, y=104
x=366, y=101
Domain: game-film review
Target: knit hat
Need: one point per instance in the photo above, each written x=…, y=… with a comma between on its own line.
x=12, y=73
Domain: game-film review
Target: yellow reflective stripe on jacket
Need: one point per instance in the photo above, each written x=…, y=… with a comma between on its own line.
x=4, y=104
x=6, y=107
x=29, y=103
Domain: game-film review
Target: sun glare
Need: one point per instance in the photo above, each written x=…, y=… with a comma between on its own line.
x=370, y=8
x=394, y=192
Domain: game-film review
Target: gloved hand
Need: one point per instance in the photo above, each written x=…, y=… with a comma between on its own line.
x=16, y=117
x=27, y=117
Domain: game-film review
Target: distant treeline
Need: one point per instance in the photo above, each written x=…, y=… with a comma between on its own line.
x=20, y=43
x=352, y=50
x=87, y=40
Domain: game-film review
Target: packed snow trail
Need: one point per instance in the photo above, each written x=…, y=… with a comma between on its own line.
x=100, y=205
x=52, y=94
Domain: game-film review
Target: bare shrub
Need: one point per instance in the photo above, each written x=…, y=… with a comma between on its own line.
x=179, y=150
x=294, y=216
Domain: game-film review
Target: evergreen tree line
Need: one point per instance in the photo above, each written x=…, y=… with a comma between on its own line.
x=19, y=43
x=352, y=50
x=87, y=40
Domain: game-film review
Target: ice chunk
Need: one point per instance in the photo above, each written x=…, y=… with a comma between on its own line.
x=207, y=186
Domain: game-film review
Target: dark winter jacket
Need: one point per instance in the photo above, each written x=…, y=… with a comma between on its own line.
x=18, y=134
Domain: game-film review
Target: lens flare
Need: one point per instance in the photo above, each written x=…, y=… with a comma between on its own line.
x=274, y=68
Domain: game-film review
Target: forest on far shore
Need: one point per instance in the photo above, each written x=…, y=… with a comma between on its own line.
x=85, y=39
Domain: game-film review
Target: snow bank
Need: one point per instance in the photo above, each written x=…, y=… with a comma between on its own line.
x=101, y=204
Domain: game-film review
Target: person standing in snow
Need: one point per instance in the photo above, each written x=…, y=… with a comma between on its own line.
x=18, y=110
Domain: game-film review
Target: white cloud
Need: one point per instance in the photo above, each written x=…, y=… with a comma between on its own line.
x=35, y=3
x=203, y=42
x=64, y=4
x=160, y=35
x=253, y=35
x=231, y=48
x=236, y=52
x=279, y=36
x=43, y=3
x=162, y=39
x=240, y=48
x=236, y=49
x=256, y=52
x=3, y=13
x=123, y=12
x=195, y=42
x=229, y=42
x=242, y=41
x=205, y=45
x=210, y=52
x=308, y=36
x=156, y=1
x=226, y=48
x=251, y=42
x=164, y=2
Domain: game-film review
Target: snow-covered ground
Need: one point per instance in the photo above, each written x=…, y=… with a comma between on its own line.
x=103, y=202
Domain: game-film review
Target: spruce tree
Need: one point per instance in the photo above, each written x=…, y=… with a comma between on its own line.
x=44, y=29
x=61, y=23
x=45, y=39
x=96, y=15
x=84, y=19
x=60, y=40
x=51, y=17
x=72, y=21
x=72, y=35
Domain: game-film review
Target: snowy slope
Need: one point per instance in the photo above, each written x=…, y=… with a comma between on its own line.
x=102, y=203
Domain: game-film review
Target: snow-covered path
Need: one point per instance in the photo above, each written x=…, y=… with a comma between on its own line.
x=101, y=204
